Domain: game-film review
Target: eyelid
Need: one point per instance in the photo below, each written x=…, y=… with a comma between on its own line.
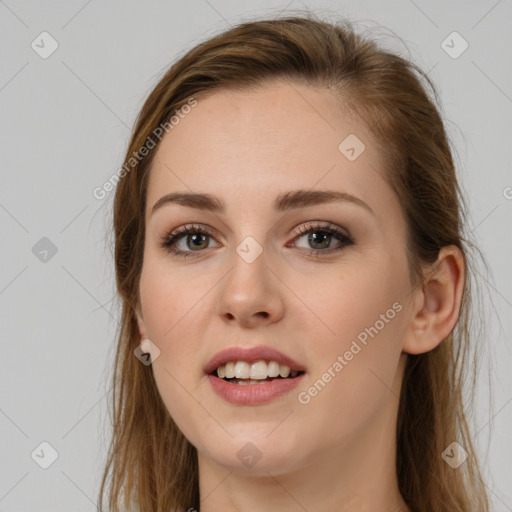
x=185, y=229
x=321, y=225
x=300, y=229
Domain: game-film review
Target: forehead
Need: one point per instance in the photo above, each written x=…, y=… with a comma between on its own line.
x=251, y=144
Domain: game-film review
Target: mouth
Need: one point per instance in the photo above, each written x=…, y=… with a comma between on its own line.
x=243, y=382
x=256, y=365
x=242, y=373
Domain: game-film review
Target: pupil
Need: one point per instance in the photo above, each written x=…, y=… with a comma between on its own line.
x=314, y=236
x=197, y=238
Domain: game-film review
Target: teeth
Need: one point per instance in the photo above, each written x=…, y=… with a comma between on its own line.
x=242, y=370
x=230, y=370
x=284, y=371
x=259, y=370
x=273, y=369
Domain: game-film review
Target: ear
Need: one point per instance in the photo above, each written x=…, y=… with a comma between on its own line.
x=436, y=302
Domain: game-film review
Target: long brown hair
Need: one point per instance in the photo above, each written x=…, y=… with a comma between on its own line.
x=151, y=465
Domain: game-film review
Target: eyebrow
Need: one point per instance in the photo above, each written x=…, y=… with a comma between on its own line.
x=284, y=202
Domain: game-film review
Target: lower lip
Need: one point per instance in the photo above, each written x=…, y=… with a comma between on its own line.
x=253, y=394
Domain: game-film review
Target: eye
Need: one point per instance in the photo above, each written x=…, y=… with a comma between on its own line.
x=191, y=236
x=195, y=238
x=320, y=236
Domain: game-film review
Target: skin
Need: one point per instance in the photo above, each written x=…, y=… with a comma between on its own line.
x=337, y=452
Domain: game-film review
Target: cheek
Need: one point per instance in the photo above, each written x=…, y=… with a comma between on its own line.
x=356, y=361
x=176, y=315
x=172, y=315
x=369, y=324
x=170, y=301
x=349, y=301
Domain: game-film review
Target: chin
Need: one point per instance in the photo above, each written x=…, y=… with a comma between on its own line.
x=258, y=454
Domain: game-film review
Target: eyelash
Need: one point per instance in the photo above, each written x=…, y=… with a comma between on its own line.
x=168, y=241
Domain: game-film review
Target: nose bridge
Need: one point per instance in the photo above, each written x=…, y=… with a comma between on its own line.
x=250, y=271
x=250, y=288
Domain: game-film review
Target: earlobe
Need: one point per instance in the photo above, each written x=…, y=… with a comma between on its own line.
x=437, y=302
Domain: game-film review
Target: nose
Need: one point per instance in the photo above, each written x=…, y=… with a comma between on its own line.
x=251, y=294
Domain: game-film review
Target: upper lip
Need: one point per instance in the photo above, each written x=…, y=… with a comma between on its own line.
x=251, y=355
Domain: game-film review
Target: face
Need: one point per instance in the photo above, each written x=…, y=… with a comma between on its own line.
x=325, y=283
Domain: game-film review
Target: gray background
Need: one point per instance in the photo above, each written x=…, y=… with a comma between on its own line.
x=64, y=125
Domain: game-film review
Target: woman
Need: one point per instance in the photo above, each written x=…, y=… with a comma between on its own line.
x=295, y=285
